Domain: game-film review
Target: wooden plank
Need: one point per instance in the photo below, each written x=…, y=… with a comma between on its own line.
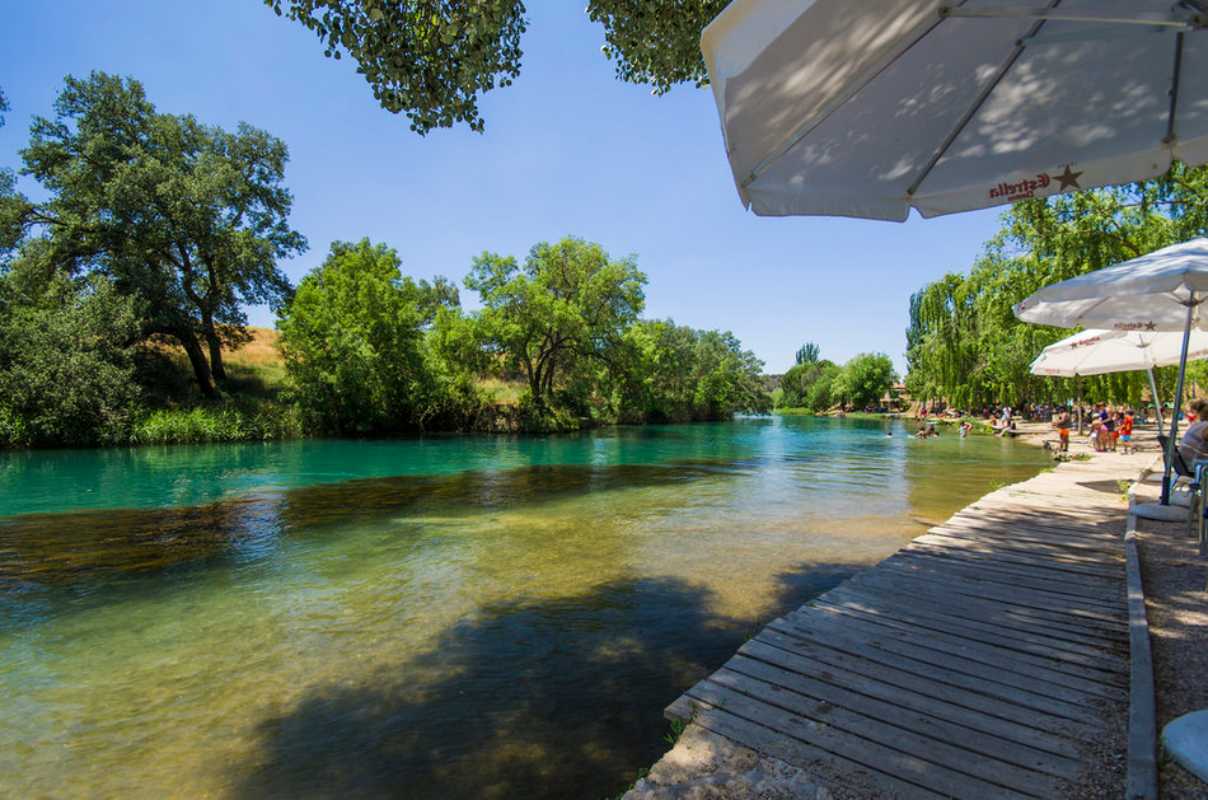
x=1063, y=673
x=958, y=689
x=1017, y=603
x=950, y=747
x=1029, y=678
x=794, y=750
x=1022, y=548
x=986, y=616
x=1050, y=562
x=1040, y=568
x=1056, y=544
x=977, y=585
x=1021, y=531
x=1041, y=523
x=927, y=697
x=899, y=714
x=1016, y=575
x=992, y=632
x=1080, y=520
x=872, y=755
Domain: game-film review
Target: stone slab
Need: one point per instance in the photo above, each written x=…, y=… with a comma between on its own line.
x=1186, y=740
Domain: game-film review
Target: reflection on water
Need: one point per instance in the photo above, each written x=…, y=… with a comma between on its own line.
x=451, y=617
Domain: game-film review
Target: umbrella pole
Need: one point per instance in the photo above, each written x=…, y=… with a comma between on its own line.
x=1153, y=390
x=1178, y=398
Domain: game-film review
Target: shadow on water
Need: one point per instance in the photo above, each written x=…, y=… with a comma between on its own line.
x=554, y=699
x=68, y=548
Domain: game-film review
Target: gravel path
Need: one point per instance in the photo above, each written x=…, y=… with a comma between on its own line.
x=1177, y=607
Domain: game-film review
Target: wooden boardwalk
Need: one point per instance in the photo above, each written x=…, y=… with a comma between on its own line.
x=973, y=663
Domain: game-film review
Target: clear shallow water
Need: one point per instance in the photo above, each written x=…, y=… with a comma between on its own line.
x=452, y=617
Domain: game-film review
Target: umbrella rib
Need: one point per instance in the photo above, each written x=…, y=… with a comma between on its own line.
x=807, y=128
x=1174, y=88
x=977, y=104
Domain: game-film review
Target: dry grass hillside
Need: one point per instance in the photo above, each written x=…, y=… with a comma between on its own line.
x=260, y=357
x=260, y=351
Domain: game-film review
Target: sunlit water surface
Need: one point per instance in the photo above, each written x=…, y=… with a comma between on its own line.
x=448, y=617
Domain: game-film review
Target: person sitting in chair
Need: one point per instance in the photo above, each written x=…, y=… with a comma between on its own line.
x=1194, y=445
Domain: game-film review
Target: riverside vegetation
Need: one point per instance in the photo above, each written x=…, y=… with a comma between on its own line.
x=964, y=344
x=122, y=294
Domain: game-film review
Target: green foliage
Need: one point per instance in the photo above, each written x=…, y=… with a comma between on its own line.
x=808, y=385
x=354, y=347
x=189, y=219
x=864, y=380
x=428, y=59
x=655, y=41
x=964, y=343
x=219, y=423
x=434, y=60
x=562, y=315
x=677, y=374
x=808, y=353
x=66, y=368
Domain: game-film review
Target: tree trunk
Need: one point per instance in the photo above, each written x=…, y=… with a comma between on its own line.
x=197, y=358
x=216, y=366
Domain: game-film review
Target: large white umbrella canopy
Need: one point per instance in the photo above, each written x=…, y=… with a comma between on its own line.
x=869, y=108
x=1161, y=291
x=1098, y=352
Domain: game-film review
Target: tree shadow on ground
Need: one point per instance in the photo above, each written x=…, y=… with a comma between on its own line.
x=550, y=698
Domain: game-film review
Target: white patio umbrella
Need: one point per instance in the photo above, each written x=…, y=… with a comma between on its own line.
x=1162, y=291
x=868, y=108
x=1097, y=352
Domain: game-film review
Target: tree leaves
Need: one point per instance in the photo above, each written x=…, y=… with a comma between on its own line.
x=655, y=42
x=428, y=59
x=964, y=343
x=433, y=59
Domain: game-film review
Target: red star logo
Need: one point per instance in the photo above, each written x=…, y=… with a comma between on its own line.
x=1069, y=179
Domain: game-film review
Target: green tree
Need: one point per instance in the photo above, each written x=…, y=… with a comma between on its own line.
x=678, y=374
x=964, y=344
x=188, y=218
x=800, y=387
x=66, y=360
x=564, y=312
x=433, y=60
x=353, y=339
x=820, y=396
x=864, y=380
x=808, y=353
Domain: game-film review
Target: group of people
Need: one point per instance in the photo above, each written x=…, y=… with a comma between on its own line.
x=1110, y=429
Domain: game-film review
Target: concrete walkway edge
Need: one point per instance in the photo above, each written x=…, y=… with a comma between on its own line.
x=1142, y=769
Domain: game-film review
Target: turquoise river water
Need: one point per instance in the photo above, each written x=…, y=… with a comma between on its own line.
x=451, y=617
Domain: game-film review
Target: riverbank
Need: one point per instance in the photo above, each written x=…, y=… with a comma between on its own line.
x=708, y=762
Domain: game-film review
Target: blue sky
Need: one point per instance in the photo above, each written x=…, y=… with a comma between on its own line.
x=568, y=149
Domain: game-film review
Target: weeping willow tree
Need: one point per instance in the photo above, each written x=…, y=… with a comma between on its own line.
x=964, y=344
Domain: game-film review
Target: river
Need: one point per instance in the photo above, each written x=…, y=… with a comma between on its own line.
x=447, y=617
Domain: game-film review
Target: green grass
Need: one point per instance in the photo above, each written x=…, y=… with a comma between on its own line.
x=251, y=407
x=221, y=421
x=501, y=392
